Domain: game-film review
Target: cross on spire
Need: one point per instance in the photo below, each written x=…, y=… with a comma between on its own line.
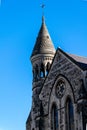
x=43, y=6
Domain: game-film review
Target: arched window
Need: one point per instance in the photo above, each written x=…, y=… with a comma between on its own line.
x=36, y=73
x=47, y=68
x=42, y=71
x=69, y=115
x=54, y=118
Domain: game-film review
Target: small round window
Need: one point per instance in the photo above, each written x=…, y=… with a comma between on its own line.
x=60, y=89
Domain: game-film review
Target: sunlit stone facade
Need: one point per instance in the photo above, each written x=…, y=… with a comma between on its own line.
x=59, y=90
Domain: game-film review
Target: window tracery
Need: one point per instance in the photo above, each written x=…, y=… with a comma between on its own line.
x=60, y=89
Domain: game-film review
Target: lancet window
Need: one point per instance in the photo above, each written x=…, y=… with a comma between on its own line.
x=69, y=115
x=54, y=118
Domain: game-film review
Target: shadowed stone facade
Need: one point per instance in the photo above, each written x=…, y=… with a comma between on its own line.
x=59, y=90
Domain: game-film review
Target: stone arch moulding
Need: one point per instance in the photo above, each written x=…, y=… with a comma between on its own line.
x=57, y=79
x=68, y=97
x=53, y=104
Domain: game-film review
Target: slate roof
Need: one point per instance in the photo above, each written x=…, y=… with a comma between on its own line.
x=78, y=60
x=43, y=43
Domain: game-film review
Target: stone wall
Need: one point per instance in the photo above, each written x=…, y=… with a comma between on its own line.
x=64, y=68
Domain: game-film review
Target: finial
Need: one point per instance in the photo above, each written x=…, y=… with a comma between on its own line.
x=42, y=6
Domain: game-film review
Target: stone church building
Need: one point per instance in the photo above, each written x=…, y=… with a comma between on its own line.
x=59, y=87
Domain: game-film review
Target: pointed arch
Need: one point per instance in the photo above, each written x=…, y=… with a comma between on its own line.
x=69, y=114
x=54, y=117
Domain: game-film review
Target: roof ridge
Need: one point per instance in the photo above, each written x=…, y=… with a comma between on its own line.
x=79, y=62
x=77, y=55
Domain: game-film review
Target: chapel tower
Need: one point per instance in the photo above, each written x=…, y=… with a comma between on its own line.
x=41, y=59
x=42, y=54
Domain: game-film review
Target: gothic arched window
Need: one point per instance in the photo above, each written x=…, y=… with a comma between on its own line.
x=69, y=115
x=54, y=118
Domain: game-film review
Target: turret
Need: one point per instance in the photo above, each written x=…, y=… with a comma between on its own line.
x=41, y=58
x=42, y=54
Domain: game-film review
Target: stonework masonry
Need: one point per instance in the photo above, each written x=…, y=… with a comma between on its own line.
x=59, y=90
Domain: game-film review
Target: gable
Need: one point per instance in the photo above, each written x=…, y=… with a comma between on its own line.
x=68, y=68
x=78, y=60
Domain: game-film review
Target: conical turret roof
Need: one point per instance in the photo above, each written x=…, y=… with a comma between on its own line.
x=43, y=43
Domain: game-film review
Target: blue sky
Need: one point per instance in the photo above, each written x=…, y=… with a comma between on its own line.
x=19, y=25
